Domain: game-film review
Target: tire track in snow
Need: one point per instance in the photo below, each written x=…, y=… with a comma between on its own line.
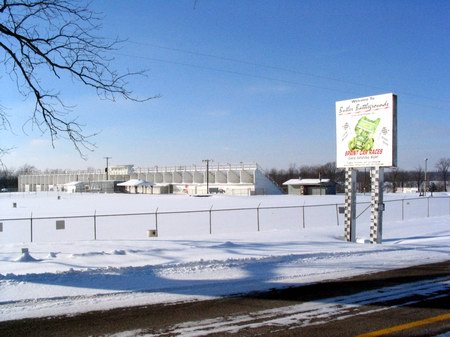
x=311, y=313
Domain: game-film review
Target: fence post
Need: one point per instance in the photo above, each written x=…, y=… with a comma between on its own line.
x=156, y=219
x=403, y=209
x=257, y=215
x=210, y=219
x=31, y=226
x=337, y=214
x=303, y=216
x=95, y=225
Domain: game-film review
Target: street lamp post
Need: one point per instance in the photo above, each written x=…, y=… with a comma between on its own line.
x=207, y=173
x=320, y=183
x=426, y=183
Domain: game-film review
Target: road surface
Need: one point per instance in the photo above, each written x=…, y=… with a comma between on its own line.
x=406, y=302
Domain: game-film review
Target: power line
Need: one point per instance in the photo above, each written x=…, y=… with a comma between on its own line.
x=270, y=78
x=234, y=72
x=262, y=65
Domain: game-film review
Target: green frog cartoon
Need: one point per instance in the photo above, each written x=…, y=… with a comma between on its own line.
x=365, y=129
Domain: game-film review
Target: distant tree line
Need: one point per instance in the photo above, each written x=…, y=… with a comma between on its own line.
x=394, y=178
x=326, y=171
x=9, y=178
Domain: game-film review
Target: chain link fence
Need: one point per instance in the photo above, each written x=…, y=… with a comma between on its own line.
x=164, y=224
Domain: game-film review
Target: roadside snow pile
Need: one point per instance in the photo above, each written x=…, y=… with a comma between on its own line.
x=25, y=257
x=69, y=277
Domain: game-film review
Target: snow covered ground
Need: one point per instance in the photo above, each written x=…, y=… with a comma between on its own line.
x=67, y=272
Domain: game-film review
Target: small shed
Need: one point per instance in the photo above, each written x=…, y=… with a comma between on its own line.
x=137, y=186
x=310, y=186
x=74, y=186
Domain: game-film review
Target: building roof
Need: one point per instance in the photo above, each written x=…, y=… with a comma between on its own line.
x=136, y=182
x=73, y=183
x=307, y=182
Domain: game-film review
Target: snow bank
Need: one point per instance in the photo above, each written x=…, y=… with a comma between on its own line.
x=67, y=277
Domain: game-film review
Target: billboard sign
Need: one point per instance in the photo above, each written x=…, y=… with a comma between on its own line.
x=366, y=132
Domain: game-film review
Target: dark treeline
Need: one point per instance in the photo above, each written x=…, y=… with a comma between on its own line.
x=326, y=171
x=395, y=179
x=9, y=178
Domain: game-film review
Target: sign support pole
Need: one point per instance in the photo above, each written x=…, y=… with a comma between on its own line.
x=377, y=205
x=350, y=205
x=366, y=137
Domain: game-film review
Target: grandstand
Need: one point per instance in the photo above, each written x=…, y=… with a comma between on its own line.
x=240, y=179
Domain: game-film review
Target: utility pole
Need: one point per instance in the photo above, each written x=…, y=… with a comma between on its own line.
x=426, y=183
x=107, y=167
x=207, y=173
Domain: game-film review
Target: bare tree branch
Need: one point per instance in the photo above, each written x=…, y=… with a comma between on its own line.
x=58, y=36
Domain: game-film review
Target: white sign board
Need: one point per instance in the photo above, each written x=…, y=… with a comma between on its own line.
x=366, y=132
x=120, y=170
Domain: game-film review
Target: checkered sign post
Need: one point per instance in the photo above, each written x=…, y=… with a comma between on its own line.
x=350, y=205
x=377, y=205
x=366, y=137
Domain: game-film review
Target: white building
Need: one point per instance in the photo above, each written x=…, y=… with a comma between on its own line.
x=241, y=179
x=73, y=187
x=137, y=186
x=310, y=186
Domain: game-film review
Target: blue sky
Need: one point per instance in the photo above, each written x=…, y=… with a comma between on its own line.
x=253, y=81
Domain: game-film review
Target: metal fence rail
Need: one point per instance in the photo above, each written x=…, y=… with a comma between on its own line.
x=209, y=220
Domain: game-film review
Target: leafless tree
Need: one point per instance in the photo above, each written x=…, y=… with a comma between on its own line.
x=330, y=171
x=8, y=179
x=443, y=165
x=57, y=37
x=394, y=176
x=418, y=175
x=27, y=169
x=309, y=172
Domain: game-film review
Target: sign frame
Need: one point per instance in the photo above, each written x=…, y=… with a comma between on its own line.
x=366, y=132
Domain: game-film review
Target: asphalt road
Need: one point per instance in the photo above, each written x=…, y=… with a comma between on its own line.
x=406, y=302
